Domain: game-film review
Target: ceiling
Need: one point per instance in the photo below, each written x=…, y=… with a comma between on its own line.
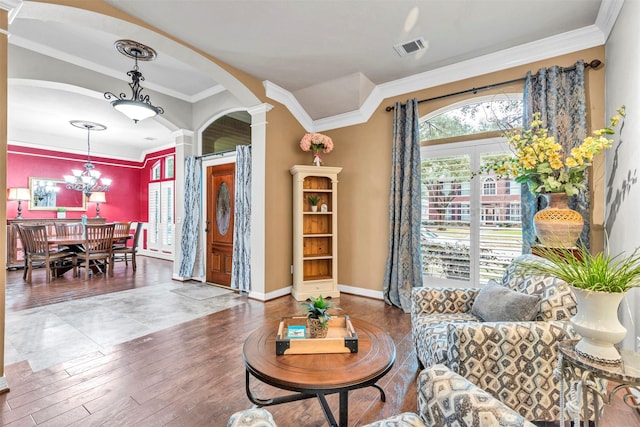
x=328, y=61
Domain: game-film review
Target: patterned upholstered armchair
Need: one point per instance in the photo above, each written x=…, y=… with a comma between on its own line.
x=445, y=399
x=512, y=360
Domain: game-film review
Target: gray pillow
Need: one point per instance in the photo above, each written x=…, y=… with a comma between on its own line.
x=496, y=303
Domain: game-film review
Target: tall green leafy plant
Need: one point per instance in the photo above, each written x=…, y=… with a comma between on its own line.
x=600, y=272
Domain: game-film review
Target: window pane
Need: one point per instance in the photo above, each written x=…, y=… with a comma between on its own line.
x=155, y=172
x=500, y=223
x=469, y=119
x=445, y=217
x=168, y=167
x=154, y=214
x=471, y=229
x=227, y=132
x=166, y=213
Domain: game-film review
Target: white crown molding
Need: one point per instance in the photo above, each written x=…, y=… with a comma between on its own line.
x=263, y=107
x=607, y=15
x=549, y=47
x=207, y=93
x=61, y=154
x=508, y=58
x=353, y=117
x=10, y=5
x=139, y=159
x=286, y=98
x=13, y=7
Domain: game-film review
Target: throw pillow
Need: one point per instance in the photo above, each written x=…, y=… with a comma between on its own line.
x=496, y=303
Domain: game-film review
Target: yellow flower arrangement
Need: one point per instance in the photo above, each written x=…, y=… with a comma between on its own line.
x=540, y=161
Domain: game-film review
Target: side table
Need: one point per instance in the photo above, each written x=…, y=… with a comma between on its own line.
x=626, y=373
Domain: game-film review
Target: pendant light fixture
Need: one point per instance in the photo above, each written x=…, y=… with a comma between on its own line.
x=139, y=107
x=87, y=180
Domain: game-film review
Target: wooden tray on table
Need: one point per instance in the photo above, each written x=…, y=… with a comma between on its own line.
x=341, y=337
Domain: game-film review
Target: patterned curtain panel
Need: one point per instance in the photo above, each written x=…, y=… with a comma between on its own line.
x=558, y=94
x=241, y=269
x=404, y=266
x=191, y=219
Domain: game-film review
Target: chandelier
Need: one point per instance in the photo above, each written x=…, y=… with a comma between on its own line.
x=139, y=107
x=87, y=180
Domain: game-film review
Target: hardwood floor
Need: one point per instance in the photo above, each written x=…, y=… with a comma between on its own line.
x=191, y=374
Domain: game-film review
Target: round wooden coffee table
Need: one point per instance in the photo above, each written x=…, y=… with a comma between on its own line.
x=318, y=375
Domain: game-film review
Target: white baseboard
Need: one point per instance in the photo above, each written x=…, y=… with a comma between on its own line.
x=260, y=296
x=154, y=254
x=369, y=293
x=342, y=288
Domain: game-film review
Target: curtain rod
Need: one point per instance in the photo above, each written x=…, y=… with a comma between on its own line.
x=593, y=64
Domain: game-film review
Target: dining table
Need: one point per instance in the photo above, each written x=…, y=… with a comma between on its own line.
x=79, y=239
x=75, y=243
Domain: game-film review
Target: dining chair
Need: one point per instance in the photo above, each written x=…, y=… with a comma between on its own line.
x=121, y=229
x=98, y=246
x=68, y=229
x=126, y=250
x=37, y=251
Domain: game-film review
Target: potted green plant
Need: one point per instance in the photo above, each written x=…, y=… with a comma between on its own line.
x=62, y=212
x=598, y=282
x=313, y=201
x=318, y=316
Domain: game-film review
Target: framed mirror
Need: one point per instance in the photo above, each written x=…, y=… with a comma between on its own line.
x=49, y=194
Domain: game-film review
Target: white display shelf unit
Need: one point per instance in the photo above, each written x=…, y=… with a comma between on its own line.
x=315, y=234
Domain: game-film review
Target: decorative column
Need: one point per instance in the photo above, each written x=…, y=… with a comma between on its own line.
x=5, y=8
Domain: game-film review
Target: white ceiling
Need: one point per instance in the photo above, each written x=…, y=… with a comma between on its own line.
x=322, y=58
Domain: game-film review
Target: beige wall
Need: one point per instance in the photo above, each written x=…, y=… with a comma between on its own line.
x=364, y=151
x=283, y=136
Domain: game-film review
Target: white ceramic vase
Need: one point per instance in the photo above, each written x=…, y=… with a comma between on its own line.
x=597, y=323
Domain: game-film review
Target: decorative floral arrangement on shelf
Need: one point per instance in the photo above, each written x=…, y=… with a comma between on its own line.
x=316, y=142
x=540, y=161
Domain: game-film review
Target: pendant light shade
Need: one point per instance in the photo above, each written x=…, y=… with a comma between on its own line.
x=139, y=106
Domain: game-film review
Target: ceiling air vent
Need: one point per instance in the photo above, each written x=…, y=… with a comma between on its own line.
x=411, y=47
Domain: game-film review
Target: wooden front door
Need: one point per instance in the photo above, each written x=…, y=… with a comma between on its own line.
x=220, y=209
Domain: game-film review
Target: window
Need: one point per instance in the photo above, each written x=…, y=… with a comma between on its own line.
x=471, y=228
x=484, y=114
x=489, y=186
x=458, y=246
x=514, y=212
x=161, y=220
x=155, y=171
x=168, y=167
x=227, y=132
x=514, y=187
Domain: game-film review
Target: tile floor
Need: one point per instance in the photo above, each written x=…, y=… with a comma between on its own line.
x=49, y=335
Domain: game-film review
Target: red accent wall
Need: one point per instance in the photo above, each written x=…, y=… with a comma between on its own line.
x=126, y=198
